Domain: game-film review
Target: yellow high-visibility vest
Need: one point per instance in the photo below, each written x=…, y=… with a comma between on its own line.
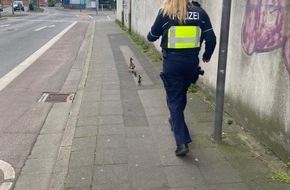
x=182, y=37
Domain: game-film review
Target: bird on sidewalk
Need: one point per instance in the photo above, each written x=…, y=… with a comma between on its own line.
x=139, y=79
x=131, y=65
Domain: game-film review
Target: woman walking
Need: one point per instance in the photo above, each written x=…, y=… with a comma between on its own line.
x=183, y=26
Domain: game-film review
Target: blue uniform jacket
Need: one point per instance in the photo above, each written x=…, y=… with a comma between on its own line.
x=195, y=16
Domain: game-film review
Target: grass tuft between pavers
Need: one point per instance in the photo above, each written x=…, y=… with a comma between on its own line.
x=281, y=176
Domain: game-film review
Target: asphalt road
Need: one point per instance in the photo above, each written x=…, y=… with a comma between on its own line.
x=22, y=36
x=37, y=52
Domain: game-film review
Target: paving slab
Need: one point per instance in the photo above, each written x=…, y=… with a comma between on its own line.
x=86, y=131
x=148, y=177
x=38, y=166
x=79, y=177
x=114, y=129
x=84, y=143
x=112, y=156
x=111, y=174
x=82, y=158
x=184, y=176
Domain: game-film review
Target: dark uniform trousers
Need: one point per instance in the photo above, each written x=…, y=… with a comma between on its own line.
x=179, y=70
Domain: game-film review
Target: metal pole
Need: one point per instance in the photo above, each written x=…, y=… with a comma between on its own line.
x=97, y=6
x=221, y=74
x=130, y=15
x=123, y=13
x=12, y=7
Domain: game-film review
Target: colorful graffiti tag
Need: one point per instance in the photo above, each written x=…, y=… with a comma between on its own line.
x=266, y=27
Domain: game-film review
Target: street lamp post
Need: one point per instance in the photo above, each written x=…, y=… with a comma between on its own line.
x=221, y=75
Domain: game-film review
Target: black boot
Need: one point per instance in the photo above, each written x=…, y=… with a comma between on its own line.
x=181, y=150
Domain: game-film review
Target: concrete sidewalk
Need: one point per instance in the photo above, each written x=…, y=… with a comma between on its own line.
x=123, y=141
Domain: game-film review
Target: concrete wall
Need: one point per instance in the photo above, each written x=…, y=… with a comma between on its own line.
x=143, y=14
x=257, y=90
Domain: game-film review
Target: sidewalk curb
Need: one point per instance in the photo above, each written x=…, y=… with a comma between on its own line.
x=61, y=166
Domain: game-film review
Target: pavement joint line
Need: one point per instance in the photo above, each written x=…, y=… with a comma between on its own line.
x=61, y=166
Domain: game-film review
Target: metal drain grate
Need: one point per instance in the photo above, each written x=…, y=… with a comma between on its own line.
x=54, y=97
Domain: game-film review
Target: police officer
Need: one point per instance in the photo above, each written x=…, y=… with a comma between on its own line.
x=183, y=26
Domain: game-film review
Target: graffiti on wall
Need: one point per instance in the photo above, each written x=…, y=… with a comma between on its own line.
x=266, y=27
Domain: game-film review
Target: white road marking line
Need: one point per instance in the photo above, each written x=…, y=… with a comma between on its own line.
x=43, y=20
x=7, y=169
x=9, y=77
x=5, y=25
x=6, y=185
x=109, y=18
x=38, y=29
x=9, y=174
x=41, y=28
x=43, y=97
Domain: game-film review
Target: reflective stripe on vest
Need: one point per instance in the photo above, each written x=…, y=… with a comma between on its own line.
x=181, y=37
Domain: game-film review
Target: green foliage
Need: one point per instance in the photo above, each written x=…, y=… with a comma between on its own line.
x=230, y=122
x=269, y=152
x=280, y=176
x=120, y=25
x=193, y=88
x=118, y=22
x=154, y=55
x=144, y=45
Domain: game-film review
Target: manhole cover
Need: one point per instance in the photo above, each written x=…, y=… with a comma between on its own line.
x=54, y=97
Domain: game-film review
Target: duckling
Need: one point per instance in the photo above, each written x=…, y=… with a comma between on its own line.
x=131, y=65
x=139, y=79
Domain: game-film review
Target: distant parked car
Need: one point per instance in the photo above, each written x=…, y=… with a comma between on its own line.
x=18, y=5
